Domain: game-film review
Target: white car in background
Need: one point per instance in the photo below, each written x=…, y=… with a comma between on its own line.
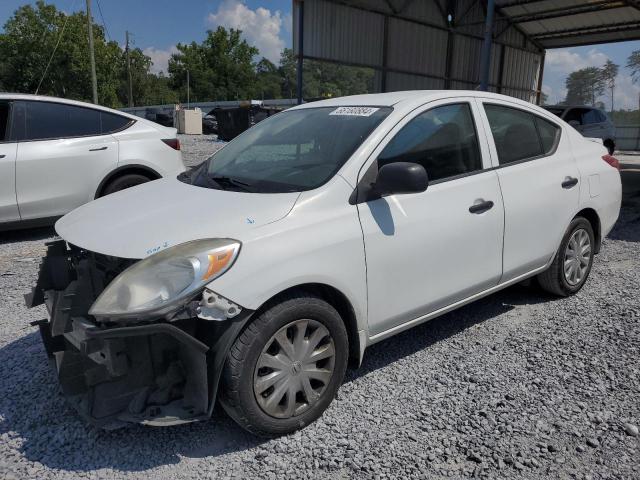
x=57, y=154
x=316, y=233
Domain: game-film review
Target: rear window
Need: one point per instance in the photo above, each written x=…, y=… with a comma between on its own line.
x=50, y=120
x=520, y=135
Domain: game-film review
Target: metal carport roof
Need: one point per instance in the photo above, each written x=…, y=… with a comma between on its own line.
x=569, y=23
x=414, y=44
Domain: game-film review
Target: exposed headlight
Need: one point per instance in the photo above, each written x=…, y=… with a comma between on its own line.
x=162, y=282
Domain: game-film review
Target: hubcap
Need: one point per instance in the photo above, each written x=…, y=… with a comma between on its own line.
x=577, y=257
x=294, y=368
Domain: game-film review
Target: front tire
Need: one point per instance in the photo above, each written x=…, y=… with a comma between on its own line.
x=572, y=264
x=285, y=368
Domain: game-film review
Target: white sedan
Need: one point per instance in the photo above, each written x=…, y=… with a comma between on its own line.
x=57, y=154
x=320, y=231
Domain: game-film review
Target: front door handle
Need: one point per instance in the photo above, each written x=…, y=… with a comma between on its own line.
x=97, y=149
x=569, y=182
x=481, y=207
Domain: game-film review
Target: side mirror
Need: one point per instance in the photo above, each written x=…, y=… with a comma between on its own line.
x=400, y=177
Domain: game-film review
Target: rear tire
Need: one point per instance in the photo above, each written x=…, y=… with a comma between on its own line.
x=125, y=181
x=572, y=263
x=270, y=389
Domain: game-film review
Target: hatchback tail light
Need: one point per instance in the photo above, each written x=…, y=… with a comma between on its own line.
x=611, y=160
x=172, y=142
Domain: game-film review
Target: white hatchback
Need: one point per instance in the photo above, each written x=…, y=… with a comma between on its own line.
x=57, y=154
x=254, y=279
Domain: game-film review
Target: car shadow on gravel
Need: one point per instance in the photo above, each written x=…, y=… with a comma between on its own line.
x=26, y=235
x=429, y=333
x=36, y=420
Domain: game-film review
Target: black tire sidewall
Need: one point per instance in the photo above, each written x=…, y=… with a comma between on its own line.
x=577, y=223
x=124, y=182
x=268, y=324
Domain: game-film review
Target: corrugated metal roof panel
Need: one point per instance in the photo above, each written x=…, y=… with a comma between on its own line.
x=338, y=32
x=580, y=21
x=416, y=48
x=403, y=81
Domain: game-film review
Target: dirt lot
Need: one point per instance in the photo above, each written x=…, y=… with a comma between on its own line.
x=516, y=385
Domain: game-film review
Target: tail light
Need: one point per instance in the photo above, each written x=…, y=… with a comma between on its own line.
x=175, y=143
x=611, y=160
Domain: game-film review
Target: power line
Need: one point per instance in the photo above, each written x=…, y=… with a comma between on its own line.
x=64, y=25
x=104, y=24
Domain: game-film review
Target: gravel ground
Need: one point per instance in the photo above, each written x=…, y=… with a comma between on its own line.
x=517, y=385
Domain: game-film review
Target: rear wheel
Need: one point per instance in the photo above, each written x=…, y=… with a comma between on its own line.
x=572, y=264
x=284, y=370
x=124, y=182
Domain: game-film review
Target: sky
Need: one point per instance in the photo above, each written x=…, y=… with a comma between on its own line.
x=156, y=26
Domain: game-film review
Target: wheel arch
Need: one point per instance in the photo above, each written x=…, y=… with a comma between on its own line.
x=594, y=219
x=337, y=300
x=125, y=170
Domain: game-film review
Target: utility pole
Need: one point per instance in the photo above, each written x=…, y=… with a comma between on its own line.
x=129, y=70
x=92, y=59
x=187, y=88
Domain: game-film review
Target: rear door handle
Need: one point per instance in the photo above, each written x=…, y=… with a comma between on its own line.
x=570, y=182
x=97, y=149
x=481, y=207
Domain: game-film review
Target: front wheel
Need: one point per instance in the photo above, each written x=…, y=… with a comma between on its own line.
x=572, y=264
x=285, y=368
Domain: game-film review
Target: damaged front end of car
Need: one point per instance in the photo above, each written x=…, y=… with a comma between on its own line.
x=129, y=342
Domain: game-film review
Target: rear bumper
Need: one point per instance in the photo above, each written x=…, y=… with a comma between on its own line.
x=158, y=373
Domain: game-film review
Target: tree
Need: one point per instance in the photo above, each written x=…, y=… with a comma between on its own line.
x=609, y=74
x=584, y=86
x=633, y=64
x=268, y=81
x=220, y=68
x=324, y=79
x=29, y=42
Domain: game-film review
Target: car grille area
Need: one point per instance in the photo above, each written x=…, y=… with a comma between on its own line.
x=152, y=373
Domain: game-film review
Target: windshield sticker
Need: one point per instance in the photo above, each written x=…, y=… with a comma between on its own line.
x=355, y=111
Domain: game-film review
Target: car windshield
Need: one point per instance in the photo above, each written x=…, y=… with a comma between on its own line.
x=292, y=151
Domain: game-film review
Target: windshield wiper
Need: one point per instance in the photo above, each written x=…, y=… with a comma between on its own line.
x=225, y=182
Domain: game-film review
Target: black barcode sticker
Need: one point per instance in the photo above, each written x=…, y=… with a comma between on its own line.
x=355, y=111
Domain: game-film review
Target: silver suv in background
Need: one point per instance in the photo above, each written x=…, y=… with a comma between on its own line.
x=591, y=122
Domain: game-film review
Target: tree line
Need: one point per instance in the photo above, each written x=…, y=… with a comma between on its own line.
x=46, y=51
x=586, y=85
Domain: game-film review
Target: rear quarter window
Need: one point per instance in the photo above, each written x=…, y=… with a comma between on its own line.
x=111, y=122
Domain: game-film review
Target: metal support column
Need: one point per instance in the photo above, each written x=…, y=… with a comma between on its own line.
x=485, y=55
x=385, y=48
x=300, y=49
x=540, y=74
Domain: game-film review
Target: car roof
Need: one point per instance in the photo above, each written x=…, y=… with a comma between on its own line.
x=46, y=98
x=417, y=97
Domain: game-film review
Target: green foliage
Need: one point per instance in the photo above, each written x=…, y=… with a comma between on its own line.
x=584, y=86
x=28, y=42
x=222, y=67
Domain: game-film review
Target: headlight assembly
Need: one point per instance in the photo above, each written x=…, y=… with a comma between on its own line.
x=160, y=283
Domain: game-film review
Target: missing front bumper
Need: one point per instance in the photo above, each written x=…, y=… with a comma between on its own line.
x=161, y=373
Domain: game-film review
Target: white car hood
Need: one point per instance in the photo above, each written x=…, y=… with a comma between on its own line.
x=140, y=221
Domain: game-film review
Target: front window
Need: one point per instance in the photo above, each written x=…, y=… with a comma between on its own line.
x=292, y=151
